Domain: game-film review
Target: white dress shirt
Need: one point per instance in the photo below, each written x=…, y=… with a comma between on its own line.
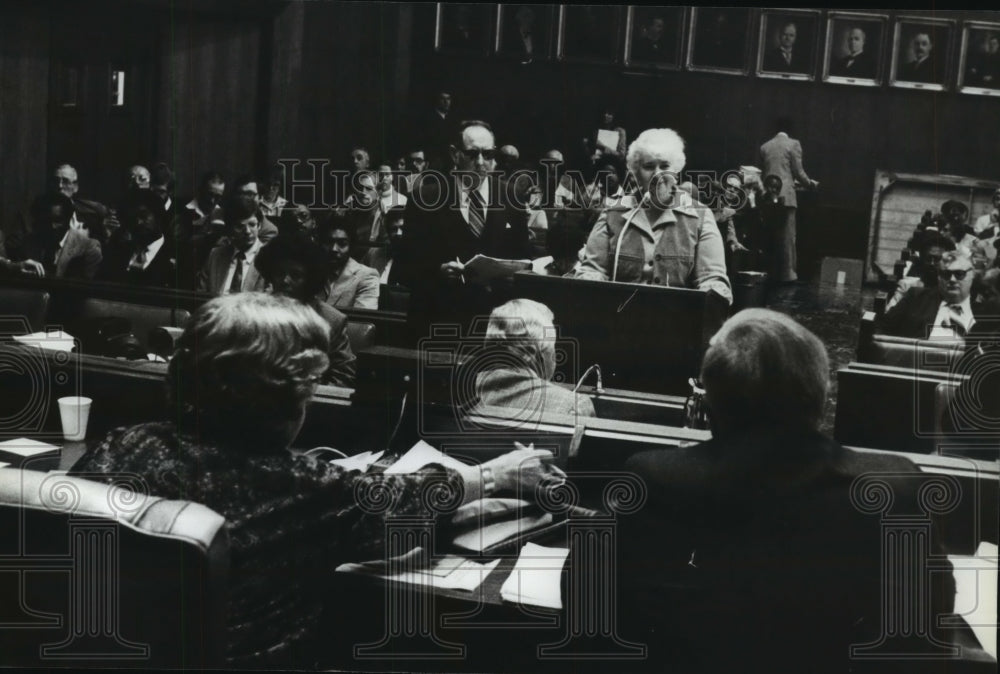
x=947, y=317
x=151, y=250
x=249, y=256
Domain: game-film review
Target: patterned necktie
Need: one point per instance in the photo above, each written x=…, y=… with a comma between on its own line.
x=477, y=213
x=237, y=284
x=139, y=263
x=956, y=313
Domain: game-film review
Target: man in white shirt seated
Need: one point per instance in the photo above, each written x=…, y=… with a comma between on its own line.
x=230, y=267
x=987, y=229
x=940, y=312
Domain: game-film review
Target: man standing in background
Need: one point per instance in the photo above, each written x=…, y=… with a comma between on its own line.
x=782, y=156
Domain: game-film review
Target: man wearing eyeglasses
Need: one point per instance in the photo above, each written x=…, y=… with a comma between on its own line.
x=940, y=312
x=450, y=218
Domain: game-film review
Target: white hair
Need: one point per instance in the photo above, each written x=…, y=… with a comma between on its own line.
x=665, y=141
x=524, y=328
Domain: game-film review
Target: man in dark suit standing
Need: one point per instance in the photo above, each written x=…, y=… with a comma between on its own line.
x=941, y=312
x=784, y=58
x=857, y=62
x=782, y=156
x=449, y=220
x=750, y=533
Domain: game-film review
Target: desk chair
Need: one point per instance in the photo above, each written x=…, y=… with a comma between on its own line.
x=31, y=305
x=93, y=575
x=360, y=335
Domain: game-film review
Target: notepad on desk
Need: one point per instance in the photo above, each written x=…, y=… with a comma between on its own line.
x=15, y=452
x=53, y=340
x=537, y=577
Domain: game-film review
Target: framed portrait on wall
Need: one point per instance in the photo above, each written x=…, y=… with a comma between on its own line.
x=719, y=40
x=463, y=28
x=524, y=32
x=589, y=33
x=920, y=49
x=853, y=53
x=788, y=44
x=654, y=37
x=979, y=62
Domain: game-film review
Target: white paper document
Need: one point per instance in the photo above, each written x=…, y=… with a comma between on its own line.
x=420, y=455
x=484, y=269
x=976, y=593
x=26, y=447
x=56, y=340
x=536, y=577
x=607, y=139
x=448, y=573
x=481, y=538
x=360, y=462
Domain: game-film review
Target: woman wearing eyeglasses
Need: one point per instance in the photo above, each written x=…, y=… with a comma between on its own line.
x=663, y=237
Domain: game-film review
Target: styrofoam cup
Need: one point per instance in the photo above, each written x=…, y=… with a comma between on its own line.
x=74, y=412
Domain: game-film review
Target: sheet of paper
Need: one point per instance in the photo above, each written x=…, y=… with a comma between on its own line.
x=56, y=340
x=488, y=510
x=450, y=573
x=27, y=447
x=536, y=577
x=607, y=139
x=360, y=462
x=479, y=539
x=976, y=593
x=420, y=455
x=483, y=269
x=3, y=465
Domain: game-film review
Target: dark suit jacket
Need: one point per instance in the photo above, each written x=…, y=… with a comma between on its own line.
x=342, y=359
x=913, y=316
x=80, y=257
x=774, y=61
x=160, y=273
x=925, y=71
x=863, y=65
x=435, y=236
x=760, y=540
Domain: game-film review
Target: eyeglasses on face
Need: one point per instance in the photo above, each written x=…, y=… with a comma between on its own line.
x=488, y=155
x=959, y=274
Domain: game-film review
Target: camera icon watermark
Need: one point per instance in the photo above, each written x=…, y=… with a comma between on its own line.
x=522, y=371
x=36, y=369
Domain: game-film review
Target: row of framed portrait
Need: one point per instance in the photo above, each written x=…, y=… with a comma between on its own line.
x=855, y=48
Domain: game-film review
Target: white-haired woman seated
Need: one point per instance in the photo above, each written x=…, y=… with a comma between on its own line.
x=519, y=362
x=764, y=523
x=243, y=372
x=666, y=238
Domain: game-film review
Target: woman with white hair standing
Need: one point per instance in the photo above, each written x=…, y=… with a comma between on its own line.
x=666, y=238
x=519, y=361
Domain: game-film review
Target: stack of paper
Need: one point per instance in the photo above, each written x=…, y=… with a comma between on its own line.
x=536, y=577
x=449, y=573
x=55, y=340
x=484, y=269
x=481, y=538
x=360, y=462
x=976, y=593
x=420, y=455
x=15, y=452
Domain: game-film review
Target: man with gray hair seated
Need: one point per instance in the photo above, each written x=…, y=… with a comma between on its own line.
x=666, y=237
x=520, y=362
x=761, y=533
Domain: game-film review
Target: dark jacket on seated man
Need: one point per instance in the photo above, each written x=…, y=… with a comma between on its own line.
x=762, y=542
x=771, y=540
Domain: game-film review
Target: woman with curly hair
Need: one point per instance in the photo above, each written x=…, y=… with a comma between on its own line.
x=238, y=383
